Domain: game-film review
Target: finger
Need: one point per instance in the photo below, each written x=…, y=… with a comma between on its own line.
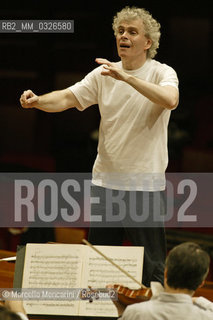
x=105, y=73
x=103, y=61
x=31, y=100
x=107, y=68
x=23, y=98
x=28, y=94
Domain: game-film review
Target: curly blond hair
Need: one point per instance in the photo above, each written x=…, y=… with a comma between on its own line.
x=151, y=26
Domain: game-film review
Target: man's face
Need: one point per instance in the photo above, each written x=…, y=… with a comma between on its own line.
x=130, y=39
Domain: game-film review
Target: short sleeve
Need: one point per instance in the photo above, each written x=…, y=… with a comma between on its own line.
x=86, y=91
x=168, y=77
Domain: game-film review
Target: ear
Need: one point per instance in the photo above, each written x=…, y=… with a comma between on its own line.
x=165, y=277
x=148, y=44
x=202, y=284
x=204, y=278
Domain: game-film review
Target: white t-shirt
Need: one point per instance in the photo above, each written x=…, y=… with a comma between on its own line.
x=170, y=306
x=132, y=149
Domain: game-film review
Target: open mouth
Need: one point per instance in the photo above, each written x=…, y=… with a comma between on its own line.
x=124, y=46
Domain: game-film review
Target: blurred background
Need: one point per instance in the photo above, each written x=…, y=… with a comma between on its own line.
x=31, y=140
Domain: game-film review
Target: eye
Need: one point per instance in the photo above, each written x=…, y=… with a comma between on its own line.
x=133, y=32
x=120, y=31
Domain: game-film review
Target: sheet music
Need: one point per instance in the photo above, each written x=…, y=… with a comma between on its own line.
x=98, y=272
x=52, y=266
x=77, y=266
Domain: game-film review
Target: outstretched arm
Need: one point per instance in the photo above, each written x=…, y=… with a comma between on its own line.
x=166, y=96
x=55, y=101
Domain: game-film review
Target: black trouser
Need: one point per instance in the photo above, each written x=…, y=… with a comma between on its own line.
x=142, y=234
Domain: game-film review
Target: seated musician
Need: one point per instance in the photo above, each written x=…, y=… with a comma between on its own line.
x=187, y=266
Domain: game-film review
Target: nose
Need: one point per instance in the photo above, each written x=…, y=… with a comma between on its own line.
x=124, y=35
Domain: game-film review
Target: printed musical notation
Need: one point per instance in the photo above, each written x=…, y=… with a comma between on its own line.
x=77, y=266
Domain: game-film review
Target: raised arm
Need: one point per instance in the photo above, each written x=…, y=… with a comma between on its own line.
x=165, y=96
x=55, y=101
